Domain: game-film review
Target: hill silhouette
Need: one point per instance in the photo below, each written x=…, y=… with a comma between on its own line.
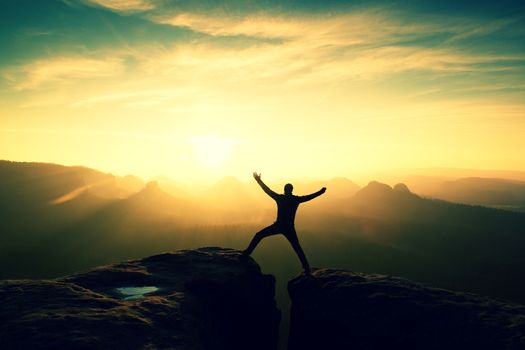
x=374, y=229
x=171, y=186
x=38, y=198
x=378, y=229
x=399, y=203
x=502, y=193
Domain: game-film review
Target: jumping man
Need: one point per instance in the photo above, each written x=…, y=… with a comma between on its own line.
x=287, y=205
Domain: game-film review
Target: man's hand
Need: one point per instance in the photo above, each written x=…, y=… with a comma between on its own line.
x=256, y=176
x=323, y=190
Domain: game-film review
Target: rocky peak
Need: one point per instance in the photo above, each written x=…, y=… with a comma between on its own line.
x=375, y=187
x=337, y=309
x=401, y=187
x=207, y=298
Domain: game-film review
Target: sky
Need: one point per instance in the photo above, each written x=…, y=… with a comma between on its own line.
x=197, y=90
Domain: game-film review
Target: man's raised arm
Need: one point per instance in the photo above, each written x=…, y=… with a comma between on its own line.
x=312, y=195
x=265, y=188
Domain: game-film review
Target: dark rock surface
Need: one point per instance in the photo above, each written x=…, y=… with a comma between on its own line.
x=336, y=309
x=207, y=298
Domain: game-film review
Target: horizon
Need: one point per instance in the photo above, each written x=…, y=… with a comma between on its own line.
x=387, y=176
x=199, y=90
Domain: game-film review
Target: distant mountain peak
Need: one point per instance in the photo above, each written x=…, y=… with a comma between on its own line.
x=152, y=190
x=152, y=185
x=377, y=184
x=375, y=187
x=401, y=187
x=379, y=191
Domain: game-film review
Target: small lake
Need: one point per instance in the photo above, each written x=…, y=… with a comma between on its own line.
x=134, y=293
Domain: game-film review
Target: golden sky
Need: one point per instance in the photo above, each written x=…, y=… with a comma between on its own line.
x=198, y=90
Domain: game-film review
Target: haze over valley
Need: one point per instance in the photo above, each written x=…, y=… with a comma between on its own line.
x=59, y=219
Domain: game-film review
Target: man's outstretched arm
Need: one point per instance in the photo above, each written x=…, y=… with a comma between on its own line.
x=312, y=195
x=265, y=188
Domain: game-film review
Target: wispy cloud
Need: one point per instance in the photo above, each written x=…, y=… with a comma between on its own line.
x=361, y=44
x=303, y=61
x=350, y=28
x=134, y=98
x=123, y=5
x=262, y=25
x=366, y=26
x=309, y=50
x=59, y=69
x=476, y=29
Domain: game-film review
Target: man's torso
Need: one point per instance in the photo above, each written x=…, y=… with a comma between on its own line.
x=286, y=208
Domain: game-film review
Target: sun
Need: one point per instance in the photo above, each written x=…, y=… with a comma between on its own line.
x=212, y=151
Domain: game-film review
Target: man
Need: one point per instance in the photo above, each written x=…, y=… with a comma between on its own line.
x=287, y=205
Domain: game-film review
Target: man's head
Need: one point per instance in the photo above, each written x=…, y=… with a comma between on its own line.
x=288, y=188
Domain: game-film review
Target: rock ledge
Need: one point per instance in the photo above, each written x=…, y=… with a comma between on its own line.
x=207, y=298
x=337, y=309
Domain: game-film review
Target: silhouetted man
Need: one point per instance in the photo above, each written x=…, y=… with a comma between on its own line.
x=287, y=205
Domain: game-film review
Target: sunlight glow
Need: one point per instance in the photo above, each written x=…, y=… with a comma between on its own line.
x=212, y=151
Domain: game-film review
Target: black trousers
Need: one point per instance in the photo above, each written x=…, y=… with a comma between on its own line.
x=288, y=232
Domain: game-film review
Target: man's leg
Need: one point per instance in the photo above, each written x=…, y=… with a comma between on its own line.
x=265, y=232
x=294, y=241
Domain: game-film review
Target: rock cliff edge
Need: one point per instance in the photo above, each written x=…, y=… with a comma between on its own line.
x=207, y=298
x=337, y=309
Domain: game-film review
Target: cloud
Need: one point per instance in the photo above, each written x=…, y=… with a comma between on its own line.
x=318, y=49
x=349, y=28
x=308, y=50
x=358, y=26
x=257, y=26
x=306, y=61
x=59, y=69
x=475, y=29
x=136, y=98
x=124, y=5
